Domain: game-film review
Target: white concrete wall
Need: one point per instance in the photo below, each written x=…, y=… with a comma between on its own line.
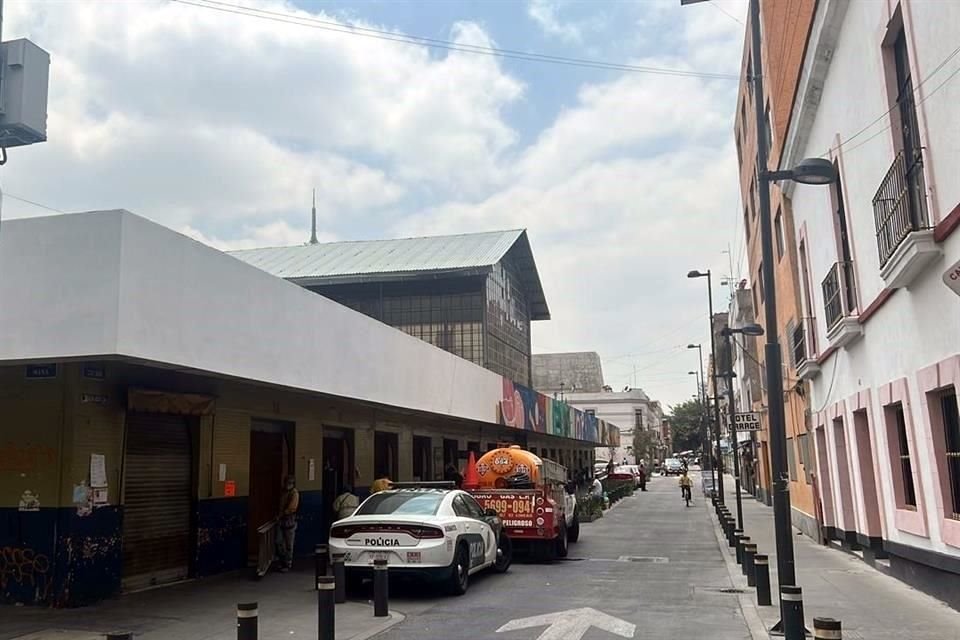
x=918, y=326
x=112, y=283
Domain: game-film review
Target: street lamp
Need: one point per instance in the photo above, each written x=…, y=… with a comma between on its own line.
x=727, y=333
x=713, y=351
x=812, y=171
x=706, y=458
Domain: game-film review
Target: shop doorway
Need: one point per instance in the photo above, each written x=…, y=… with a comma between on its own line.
x=338, y=469
x=271, y=446
x=385, y=455
x=422, y=458
x=451, y=454
x=157, y=499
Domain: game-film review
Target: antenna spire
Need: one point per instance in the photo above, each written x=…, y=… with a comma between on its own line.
x=313, y=219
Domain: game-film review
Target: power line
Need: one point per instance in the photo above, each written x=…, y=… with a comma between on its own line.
x=7, y=194
x=726, y=13
x=450, y=45
x=897, y=104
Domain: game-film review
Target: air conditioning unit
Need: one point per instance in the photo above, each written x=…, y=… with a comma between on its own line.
x=24, y=77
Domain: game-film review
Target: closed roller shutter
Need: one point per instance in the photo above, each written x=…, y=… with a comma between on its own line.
x=156, y=519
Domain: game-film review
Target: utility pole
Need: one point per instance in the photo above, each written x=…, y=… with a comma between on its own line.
x=716, y=399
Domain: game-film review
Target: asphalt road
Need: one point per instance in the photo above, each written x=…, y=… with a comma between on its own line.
x=650, y=561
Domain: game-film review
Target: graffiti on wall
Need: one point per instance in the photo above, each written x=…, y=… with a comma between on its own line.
x=523, y=408
x=25, y=568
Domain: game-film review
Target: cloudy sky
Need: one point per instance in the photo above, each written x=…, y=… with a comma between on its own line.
x=219, y=125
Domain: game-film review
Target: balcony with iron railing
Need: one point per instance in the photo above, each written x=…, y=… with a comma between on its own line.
x=803, y=348
x=839, y=305
x=904, y=235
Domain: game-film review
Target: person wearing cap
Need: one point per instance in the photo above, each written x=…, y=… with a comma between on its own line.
x=381, y=484
x=287, y=521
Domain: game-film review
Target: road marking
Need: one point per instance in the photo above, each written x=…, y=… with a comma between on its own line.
x=572, y=624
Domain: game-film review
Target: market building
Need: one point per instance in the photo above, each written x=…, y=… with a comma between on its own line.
x=154, y=392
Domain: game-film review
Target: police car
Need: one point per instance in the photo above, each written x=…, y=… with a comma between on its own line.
x=433, y=532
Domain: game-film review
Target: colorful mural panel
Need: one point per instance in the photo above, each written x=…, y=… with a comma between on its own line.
x=523, y=408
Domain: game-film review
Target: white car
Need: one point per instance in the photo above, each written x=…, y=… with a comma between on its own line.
x=438, y=534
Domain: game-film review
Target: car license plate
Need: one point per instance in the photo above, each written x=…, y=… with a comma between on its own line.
x=413, y=557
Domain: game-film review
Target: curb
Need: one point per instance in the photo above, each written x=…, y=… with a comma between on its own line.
x=392, y=620
x=749, y=610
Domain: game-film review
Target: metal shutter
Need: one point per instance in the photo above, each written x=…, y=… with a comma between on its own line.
x=156, y=520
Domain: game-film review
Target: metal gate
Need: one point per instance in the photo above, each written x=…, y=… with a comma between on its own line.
x=157, y=483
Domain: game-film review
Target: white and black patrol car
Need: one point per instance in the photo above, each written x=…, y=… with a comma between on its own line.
x=434, y=532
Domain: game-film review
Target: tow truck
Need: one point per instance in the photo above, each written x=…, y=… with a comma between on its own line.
x=530, y=495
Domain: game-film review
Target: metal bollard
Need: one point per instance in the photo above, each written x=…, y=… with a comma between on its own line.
x=743, y=554
x=791, y=611
x=339, y=579
x=761, y=569
x=732, y=540
x=120, y=635
x=749, y=551
x=381, y=589
x=742, y=540
x=827, y=629
x=326, y=621
x=248, y=621
x=320, y=559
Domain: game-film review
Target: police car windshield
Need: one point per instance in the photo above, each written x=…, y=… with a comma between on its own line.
x=403, y=503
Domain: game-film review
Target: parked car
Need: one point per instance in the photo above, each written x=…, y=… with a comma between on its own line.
x=672, y=467
x=633, y=469
x=436, y=534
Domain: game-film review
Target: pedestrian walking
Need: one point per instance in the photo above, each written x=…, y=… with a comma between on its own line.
x=451, y=474
x=642, y=477
x=287, y=520
x=346, y=503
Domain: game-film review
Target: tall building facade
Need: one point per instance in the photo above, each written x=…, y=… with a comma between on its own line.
x=786, y=25
x=879, y=259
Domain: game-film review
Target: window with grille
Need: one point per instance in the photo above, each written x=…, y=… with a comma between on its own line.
x=906, y=467
x=638, y=418
x=951, y=428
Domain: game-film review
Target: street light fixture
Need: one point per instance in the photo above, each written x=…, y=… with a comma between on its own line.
x=813, y=171
x=713, y=374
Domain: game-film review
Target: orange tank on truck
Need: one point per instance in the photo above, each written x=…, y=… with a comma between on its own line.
x=529, y=494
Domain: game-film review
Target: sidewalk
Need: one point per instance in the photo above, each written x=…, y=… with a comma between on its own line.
x=199, y=610
x=870, y=604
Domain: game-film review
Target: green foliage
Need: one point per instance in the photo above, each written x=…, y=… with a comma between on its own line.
x=589, y=508
x=685, y=425
x=644, y=444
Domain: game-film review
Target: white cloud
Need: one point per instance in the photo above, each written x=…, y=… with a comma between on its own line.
x=546, y=14
x=219, y=126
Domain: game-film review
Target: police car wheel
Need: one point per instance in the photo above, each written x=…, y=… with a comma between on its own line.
x=459, y=578
x=574, y=534
x=562, y=541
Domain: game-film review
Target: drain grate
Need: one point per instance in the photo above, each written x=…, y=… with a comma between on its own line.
x=650, y=559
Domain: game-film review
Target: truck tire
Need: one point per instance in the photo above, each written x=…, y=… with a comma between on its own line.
x=562, y=547
x=574, y=533
x=459, y=577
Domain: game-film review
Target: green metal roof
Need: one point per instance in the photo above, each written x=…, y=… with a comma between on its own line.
x=403, y=258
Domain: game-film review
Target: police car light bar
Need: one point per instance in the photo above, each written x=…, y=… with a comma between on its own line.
x=426, y=484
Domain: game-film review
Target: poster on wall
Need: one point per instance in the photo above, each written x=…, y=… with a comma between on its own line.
x=98, y=470
x=230, y=488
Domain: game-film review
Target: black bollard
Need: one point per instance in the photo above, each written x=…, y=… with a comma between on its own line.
x=381, y=589
x=827, y=629
x=761, y=569
x=791, y=611
x=743, y=554
x=741, y=540
x=325, y=608
x=339, y=579
x=120, y=635
x=749, y=551
x=248, y=621
x=732, y=540
x=320, y=557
